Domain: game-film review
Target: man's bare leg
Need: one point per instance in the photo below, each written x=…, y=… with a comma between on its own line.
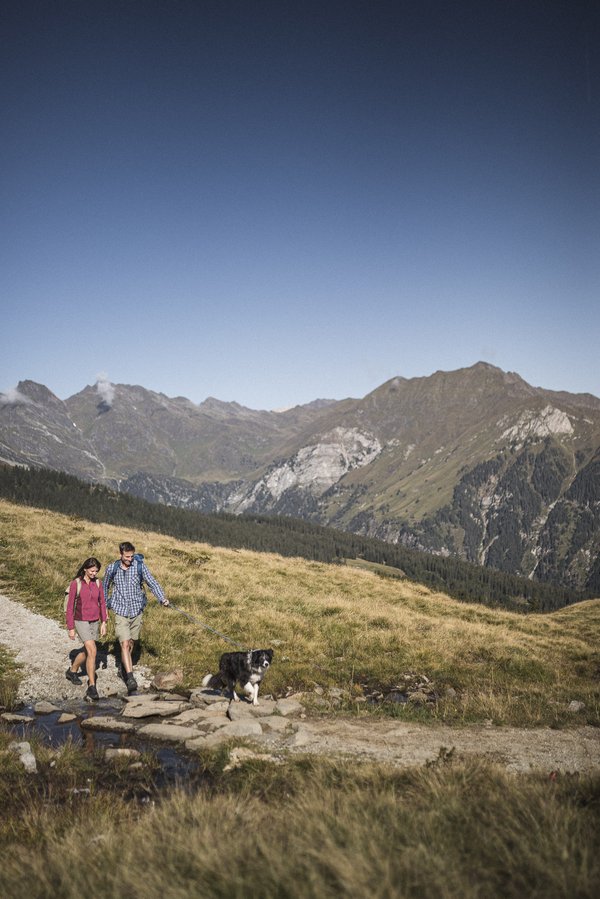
x=126, y=655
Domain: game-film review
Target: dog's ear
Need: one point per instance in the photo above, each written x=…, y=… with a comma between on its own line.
x=269, y=654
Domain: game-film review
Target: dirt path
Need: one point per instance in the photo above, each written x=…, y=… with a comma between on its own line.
x=42, y=648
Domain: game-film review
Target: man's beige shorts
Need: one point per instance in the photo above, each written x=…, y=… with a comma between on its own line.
x=128, y=628
x=87, y=630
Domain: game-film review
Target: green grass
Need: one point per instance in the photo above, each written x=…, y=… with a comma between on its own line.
x=9, y=679
x=304, y=828
x=330, y=625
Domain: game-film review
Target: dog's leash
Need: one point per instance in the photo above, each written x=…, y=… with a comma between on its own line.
x=206, y=627
x=218, y=633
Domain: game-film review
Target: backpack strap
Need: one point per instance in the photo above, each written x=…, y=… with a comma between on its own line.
x=113, y=568
x=109, y=575
x=77, y=594
x=140, y=568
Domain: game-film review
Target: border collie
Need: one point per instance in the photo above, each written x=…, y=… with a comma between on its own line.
x=245, y=668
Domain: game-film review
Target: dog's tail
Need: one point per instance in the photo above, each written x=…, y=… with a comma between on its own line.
x=212, y=681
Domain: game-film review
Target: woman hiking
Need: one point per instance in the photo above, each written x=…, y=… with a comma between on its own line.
x=86, y=615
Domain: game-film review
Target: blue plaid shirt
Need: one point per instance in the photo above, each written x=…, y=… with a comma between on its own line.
x=127, y=597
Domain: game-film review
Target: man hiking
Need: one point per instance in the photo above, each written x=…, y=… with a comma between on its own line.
x=124, y=582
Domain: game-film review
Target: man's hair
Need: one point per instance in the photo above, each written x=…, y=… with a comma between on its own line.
x=126, y=547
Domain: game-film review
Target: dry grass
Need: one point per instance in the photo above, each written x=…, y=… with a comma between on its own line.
x=330, y=625
x=314, y=829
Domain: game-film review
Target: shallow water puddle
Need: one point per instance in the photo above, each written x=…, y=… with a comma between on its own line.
x=176, y=767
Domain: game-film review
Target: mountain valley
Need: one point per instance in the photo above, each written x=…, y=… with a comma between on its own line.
x=474, y=463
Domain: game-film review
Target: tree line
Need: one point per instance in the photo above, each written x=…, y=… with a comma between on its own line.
x=60, y=492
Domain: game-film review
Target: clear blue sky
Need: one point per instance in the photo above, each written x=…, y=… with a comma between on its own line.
x=271, y=202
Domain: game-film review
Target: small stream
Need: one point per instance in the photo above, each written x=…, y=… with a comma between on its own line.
x=177, y=768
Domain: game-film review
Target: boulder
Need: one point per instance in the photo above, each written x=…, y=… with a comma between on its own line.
x=26, y=756
x=45, y=708
x=196, y=743
x=418, y=697
x=289, y=706
x=120, y=753
x=239, y=711
x=276, y=724
x=302, y=737
x=168, y=679
x=66, y=718
x=241, y=754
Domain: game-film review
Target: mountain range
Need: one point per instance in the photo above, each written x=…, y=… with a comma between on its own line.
x=475, y=463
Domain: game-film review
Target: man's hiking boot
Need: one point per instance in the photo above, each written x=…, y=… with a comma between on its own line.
x=91, y=694
x=73, y=677
x=131, y=683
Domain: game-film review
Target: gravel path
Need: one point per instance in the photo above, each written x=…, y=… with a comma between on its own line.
x=42, y=647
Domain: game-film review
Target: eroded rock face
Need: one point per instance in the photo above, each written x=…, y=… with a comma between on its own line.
x=546, y=423
x=313, y=468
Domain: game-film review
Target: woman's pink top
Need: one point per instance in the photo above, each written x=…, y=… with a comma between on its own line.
x=90, y=604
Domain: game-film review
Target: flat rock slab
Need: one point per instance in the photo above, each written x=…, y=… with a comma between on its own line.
x=277, y=724
x=203, y=696
x=141, y=697
x=109, y=723
x=247, y=727
x=289, y=707
x=152, y=709
x=14, y=718
x=233, y=730
x=66, y=718
x=172, y=733
x=199, y=717
x=45, y=708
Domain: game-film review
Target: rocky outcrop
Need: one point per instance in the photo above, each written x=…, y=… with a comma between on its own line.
x=312, y=470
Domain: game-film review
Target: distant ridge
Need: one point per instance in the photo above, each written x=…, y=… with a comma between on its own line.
x=474, y=463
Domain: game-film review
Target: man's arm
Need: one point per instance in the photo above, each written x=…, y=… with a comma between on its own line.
x=154, y=586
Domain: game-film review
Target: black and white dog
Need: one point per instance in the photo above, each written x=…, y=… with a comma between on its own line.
x=245, y=668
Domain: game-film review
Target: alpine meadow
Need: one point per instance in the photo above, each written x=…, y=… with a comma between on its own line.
x=310, y=826
x=433, y=703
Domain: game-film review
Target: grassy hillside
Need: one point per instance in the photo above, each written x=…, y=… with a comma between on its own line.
x=329, y=624
x=60, y=492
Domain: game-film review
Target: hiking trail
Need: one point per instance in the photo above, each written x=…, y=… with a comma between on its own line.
x=42, y=647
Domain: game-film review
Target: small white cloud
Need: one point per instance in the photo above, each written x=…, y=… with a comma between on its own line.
x=106, y=390
x=13, y=397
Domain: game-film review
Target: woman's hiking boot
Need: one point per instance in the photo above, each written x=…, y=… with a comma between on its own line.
x=131, y=683
x=73, y=677
x=91, y=694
